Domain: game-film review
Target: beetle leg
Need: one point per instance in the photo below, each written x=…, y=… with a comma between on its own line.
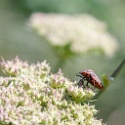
x=80, y=76
x=87, y=84
x=81, y=83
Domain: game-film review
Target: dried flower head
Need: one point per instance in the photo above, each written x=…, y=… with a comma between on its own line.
x=82, y=33
x=34, y=96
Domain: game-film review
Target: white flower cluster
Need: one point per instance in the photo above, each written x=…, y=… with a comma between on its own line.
x=82, y=32
x=33, y=96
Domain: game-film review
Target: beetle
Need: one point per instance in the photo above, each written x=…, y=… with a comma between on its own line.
x=90, y=77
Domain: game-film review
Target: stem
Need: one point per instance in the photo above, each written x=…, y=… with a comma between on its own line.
x=118, y=69
x=63, y=54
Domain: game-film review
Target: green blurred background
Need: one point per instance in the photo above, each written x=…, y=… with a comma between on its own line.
x=16, y=38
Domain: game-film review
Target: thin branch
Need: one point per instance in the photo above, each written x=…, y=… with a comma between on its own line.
x=118, y=69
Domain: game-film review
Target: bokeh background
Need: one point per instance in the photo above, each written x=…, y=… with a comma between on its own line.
x=18, y=39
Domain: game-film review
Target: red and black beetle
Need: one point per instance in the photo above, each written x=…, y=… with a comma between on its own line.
x=91, y=78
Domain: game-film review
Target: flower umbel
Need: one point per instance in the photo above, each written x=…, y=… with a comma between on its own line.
x=34, y=96
x=81, y=33
x=78, y=94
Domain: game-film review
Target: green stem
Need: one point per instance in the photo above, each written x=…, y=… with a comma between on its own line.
x=118, y=69
x=63, y=54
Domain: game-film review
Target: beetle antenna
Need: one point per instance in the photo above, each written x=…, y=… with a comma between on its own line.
x=79, y=75
x=115, y=73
